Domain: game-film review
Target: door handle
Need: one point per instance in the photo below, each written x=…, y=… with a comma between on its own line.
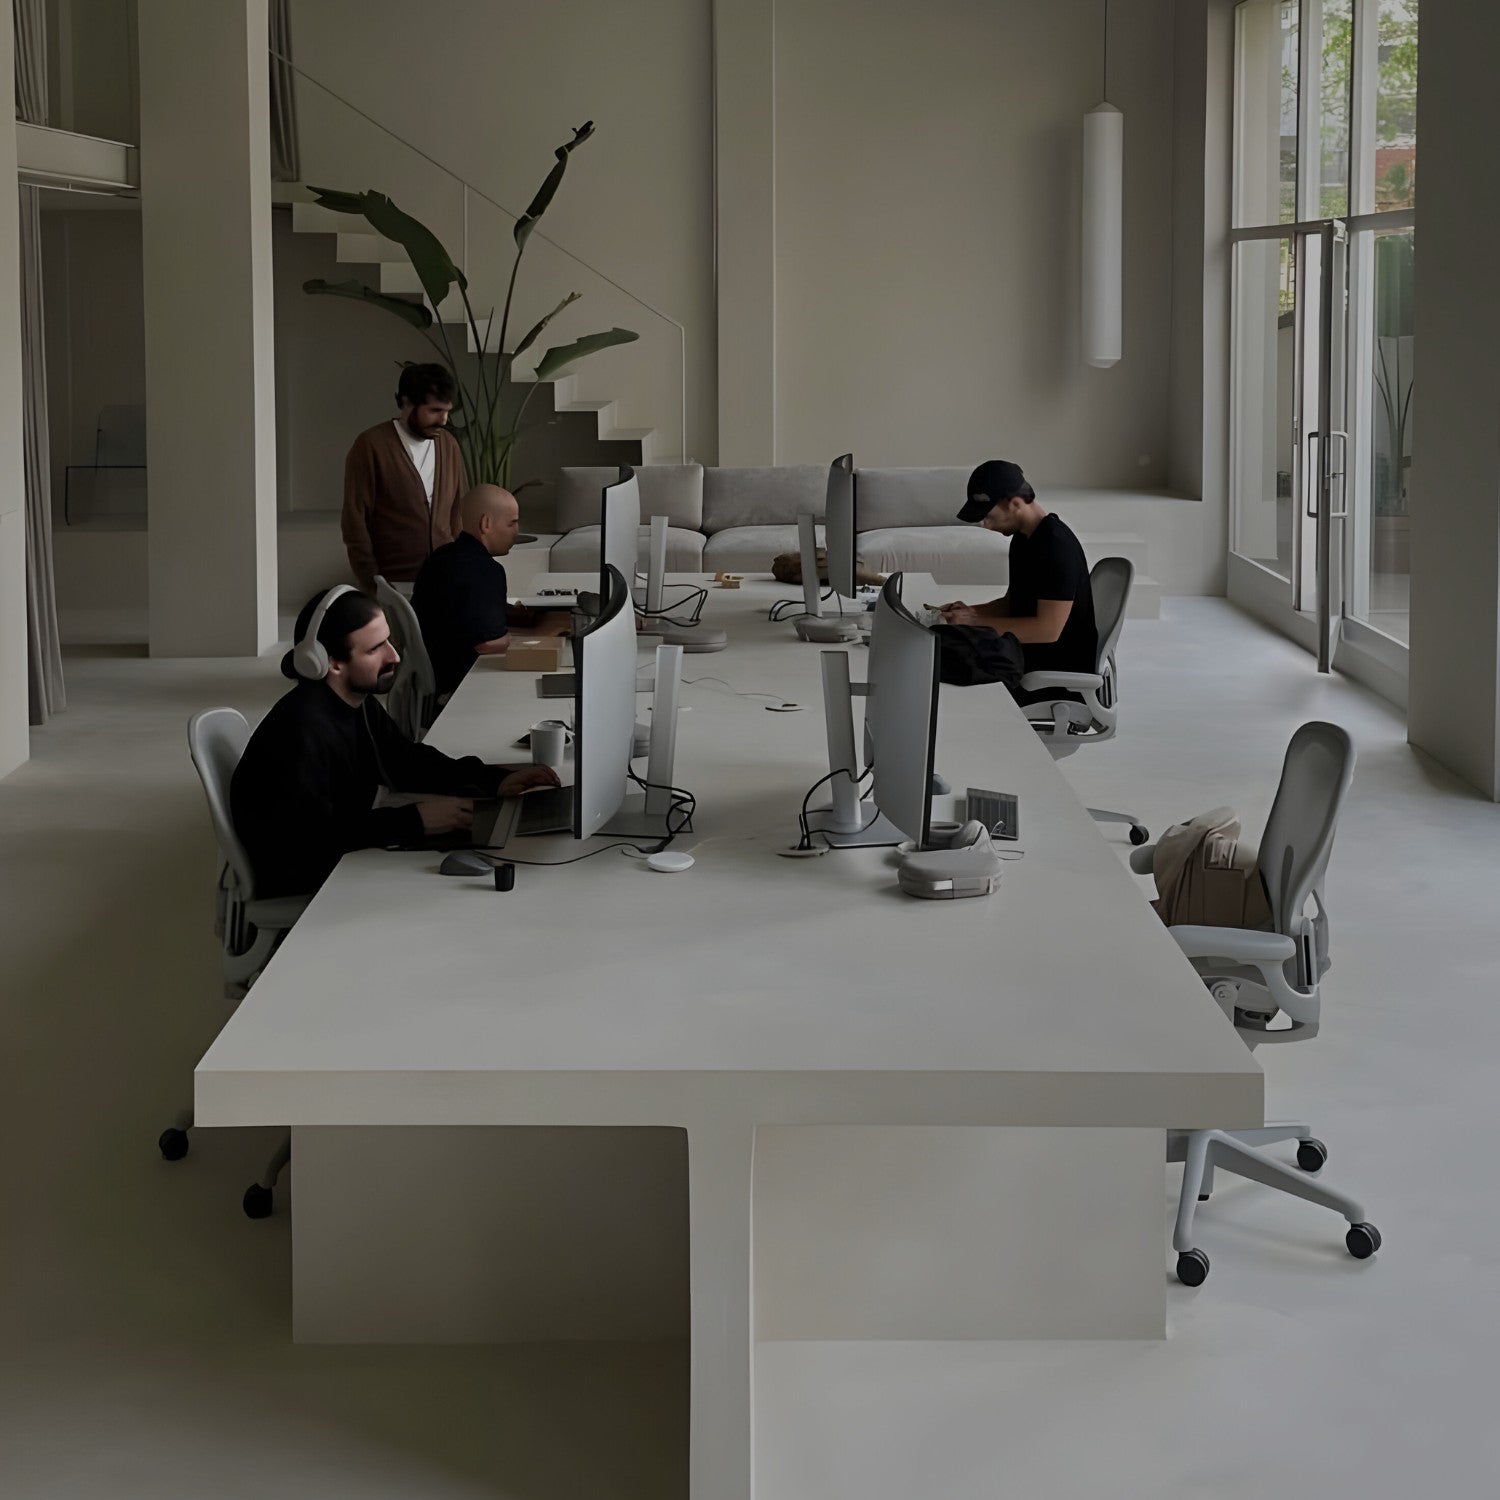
x=1307, y=473
x=1342, y=471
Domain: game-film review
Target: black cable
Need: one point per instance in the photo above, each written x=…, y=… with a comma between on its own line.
x=738, y=692
x=694, y=600
x=805, y=842
x=776, y=614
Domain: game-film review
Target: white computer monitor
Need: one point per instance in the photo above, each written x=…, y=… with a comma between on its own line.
x=901, y=709
x=840, y=527
x=620, y=528
x=900, y=732
x=604, y=706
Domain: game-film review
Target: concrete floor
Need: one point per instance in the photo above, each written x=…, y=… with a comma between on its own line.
x=143, y=1321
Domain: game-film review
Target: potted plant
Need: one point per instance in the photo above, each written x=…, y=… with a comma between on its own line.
x=491, y=404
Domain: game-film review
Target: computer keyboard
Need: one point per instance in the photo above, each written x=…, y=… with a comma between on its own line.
x=1000, y=812
x=547, y=810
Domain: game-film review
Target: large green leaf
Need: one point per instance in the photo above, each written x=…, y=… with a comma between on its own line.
x=434, y=266
x=548, y=190
x=535, y=333
x=559, y=358
x=409, y=312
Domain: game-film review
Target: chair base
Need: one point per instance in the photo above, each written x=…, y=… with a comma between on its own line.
x=1240, y=1153
x=1138, y=833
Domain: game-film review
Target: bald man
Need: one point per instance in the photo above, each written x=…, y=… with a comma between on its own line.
x=460, y=597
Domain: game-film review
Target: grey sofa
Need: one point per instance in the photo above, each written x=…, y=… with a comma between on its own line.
x=738, y=520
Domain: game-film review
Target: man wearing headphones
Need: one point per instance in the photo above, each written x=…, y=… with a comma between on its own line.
x=303, y=794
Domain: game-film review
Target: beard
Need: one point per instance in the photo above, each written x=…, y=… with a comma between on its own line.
x=385, y=680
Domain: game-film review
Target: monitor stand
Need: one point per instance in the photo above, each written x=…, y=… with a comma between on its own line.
x=813, y=624
x=646, y=814
x=693, y=638
x=850, y=823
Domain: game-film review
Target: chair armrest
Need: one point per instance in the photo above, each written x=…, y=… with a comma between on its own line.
x=1063, y=682
x=1142, y=859
x=1240, y=945
x=278, y=914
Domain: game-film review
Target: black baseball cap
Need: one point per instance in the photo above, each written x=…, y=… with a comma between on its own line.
x=994, y=480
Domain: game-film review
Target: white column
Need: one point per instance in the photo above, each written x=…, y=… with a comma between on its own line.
x=206, y=242
x=15, y=734
x=745, y=171
x=1455, y=483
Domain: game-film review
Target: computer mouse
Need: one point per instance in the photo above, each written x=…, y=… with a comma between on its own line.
x=464, y=862
x=669, y=862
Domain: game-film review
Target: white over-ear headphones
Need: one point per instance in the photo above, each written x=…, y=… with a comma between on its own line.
x=309, y=656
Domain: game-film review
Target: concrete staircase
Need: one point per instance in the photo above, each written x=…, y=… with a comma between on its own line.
x=384, y=265
x=1145, y=592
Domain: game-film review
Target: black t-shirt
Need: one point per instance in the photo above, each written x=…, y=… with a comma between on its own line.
x=1049, y=564
x=303, y=793
x=460, y=600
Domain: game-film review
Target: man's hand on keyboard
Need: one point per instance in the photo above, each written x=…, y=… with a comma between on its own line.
x=528, y=779
x=445, y=814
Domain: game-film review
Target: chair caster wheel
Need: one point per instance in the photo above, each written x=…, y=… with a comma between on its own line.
x=173, y=1144
x=1312, y=1156
x=1363, y=1240
x=1138, y=835
x=258, y=1202
x=1192, y=1268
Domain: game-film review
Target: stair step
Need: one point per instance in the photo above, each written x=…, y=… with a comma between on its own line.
x=367, y=248
x=313, y=218
x=1128, y=544
x=1145, y=599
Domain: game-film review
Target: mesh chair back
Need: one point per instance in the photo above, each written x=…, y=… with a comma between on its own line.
x=1110, y=580
x=216, y=740
x=414, y=696
x=1298, y=839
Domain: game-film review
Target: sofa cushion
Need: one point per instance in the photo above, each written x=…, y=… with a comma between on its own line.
x=578, y=551
x=763, y=497
x=952, y=554
x=909, y=497
x=671, y=490
x=749, y=549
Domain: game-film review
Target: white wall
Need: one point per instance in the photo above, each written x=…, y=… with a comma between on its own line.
x=94, y=85
x=928, y=165
x=95, y=340
x=1455, y=481
x=490, y=87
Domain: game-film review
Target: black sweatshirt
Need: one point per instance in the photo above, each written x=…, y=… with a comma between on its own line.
x=303, y=792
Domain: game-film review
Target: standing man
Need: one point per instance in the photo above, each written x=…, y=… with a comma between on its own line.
x=402, y=482
x=460, y=594
x=1049, y=604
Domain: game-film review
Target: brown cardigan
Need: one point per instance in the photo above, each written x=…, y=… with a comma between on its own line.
x=387, y=526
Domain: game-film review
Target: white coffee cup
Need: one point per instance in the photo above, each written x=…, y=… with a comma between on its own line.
x=547, y=740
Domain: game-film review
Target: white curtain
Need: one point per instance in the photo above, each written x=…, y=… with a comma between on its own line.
x=43, y=649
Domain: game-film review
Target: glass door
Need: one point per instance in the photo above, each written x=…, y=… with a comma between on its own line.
x=1321, y=274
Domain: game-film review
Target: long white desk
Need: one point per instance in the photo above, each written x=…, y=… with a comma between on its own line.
x=774, y=1058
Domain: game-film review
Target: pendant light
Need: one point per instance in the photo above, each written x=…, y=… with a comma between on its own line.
x=1103, y=216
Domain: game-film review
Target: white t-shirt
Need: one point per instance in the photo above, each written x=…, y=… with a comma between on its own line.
x=423, y=455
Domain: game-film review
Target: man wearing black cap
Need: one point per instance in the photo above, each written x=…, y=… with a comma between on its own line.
x=1049, y=605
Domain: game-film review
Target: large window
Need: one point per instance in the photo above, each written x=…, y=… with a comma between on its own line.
x=1324, y=255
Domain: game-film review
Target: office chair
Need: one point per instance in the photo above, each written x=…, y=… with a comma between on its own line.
x=412, y=702
x=1069, y=724
x=1257, y=976
x=249, y=930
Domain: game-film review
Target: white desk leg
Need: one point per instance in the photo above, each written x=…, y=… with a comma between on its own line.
x=721, y=1429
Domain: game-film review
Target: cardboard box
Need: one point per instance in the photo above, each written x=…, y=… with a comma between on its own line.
x=535, y=653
